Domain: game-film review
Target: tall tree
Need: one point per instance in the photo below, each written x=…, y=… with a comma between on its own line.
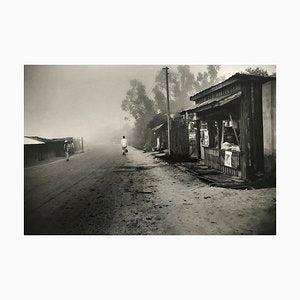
x=208, y=78
x=159, y=90
x=257, y=71
x=159, y=99
x=182, y=85
x=142, y=108
x=136, y=102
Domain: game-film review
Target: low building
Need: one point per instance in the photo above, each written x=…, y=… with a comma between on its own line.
x=236, y=125
x=33, y=151
x=37, y=149
x=179, y=137
x=160, y=136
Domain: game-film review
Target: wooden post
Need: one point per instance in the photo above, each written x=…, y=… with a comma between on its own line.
x=245, y=132
x=219, y=140
x=219, y=133
x=223, y=131
x=168, y=110
x=235, y=134
x=211, y=133
x=198, y=139
x=253, y=133
x=257, y=127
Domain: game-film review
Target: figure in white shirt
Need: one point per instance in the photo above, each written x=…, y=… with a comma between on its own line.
x=124, y=145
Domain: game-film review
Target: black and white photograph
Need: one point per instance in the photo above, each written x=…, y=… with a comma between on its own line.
x=150, y=150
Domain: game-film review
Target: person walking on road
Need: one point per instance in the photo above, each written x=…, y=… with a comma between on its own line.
x=67, y=148
x=124, y=145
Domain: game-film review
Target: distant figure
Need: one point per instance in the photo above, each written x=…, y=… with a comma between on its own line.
x=67, y=148
x=124, y=145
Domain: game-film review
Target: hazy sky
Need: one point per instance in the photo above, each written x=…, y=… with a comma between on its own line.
x=85, y=100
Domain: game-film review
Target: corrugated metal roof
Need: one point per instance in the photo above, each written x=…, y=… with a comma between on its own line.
x=231, y=79
x=47, y=140
x=214, y=102
x=29, y=141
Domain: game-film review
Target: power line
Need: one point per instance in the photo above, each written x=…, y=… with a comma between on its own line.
x=147, y=94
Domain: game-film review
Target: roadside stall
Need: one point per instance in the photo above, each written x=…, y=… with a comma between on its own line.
x=161, y=139
x=230, y=125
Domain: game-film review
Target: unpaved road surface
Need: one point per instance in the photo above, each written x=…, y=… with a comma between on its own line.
x=102, y=192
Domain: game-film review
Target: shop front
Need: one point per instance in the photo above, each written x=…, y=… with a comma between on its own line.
x=229, y=118
x=220, y=138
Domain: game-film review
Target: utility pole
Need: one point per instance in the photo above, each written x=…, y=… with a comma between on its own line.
x=168, y=110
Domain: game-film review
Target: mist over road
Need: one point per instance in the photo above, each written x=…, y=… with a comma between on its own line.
x=102, y=192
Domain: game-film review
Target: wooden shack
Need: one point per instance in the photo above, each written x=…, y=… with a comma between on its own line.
x=160, y=137
x=179, y=137
x=232, y=114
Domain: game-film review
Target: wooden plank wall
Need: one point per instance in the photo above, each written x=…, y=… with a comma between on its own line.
x=179, y=138
x=258, y=152
x=251, y=129
x=245, y=131
x=214, y=158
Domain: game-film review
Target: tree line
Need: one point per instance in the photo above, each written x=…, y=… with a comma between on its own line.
x=150, y=111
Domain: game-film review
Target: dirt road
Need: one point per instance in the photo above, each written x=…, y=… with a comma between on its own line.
x=102, y=192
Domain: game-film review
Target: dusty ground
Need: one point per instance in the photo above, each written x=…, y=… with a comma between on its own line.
x=103, y=192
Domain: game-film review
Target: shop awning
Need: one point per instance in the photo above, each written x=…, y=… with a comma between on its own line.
x=212, y=103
